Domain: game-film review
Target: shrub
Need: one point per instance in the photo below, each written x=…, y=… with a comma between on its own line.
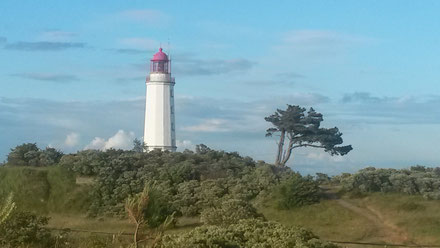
x=189, y=182
x=416, y=180
x=229, y=212
x=29, y=154
x=25, y=228
x=322, y=178
x=158, y=208
x=246, y=233
x=296, y=191
x=41, y=189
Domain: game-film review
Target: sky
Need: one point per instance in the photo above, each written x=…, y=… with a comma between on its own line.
x=72, y=75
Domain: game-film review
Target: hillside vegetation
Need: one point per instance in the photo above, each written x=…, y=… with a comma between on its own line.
x=44, y=190
x=218, y=199
x=418, y=180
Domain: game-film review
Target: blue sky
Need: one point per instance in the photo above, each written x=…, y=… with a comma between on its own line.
x=72, y=74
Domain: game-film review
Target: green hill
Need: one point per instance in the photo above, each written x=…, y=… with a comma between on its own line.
x=44, y=189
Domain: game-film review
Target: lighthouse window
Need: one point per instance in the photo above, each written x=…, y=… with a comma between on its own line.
x=172, y=93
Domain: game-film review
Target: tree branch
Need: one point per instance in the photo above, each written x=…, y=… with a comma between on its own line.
x=304, y=145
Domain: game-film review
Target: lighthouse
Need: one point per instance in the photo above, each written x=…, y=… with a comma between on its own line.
x=159, y=129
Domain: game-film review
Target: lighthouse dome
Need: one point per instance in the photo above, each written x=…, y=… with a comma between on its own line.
x=160, y=56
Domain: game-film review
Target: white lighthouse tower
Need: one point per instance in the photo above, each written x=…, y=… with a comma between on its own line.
x=159, y=130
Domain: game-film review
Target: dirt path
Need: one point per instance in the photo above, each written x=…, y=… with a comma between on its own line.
x=387, y=231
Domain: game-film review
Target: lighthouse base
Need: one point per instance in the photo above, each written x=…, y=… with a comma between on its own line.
x=162, y=148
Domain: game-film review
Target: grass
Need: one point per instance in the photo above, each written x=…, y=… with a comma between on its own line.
x=326, y=219
x=418, y=216
x=82, y=222
x=44, y=190
x=65, y=199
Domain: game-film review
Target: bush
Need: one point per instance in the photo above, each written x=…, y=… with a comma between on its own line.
x=246, y=233
x=25, y=228
x=297, y=191
x=158, y=208
x=29, y=154
x=229, y=212
x=41, y=189
x=417, y=180
x=189, y=182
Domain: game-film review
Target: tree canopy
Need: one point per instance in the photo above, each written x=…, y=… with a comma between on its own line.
x=29, y=154
x=303, y=130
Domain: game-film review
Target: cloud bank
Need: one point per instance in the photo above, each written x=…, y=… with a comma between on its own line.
x=49, y=77
x=43, y=46
x=72, y=140
x=121, y=140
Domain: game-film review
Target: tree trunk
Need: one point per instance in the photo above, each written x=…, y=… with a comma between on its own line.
x=280, y=148
x=288, y=153
x=136, y=234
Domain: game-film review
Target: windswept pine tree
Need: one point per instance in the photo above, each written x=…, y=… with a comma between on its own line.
x=303, y=130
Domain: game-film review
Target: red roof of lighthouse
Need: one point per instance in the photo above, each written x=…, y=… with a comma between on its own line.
x=160, y=56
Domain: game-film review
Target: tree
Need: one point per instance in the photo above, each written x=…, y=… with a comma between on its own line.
x=49, y=156
x=135, y=207
x=23, y=154
x=139, y=210
x=29, y=154
x=303, y=130
x=138, y=145
x=202, y=149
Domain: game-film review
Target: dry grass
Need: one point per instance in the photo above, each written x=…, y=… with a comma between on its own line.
x=326, y=219
x=418, y=216
x=329, y=220
x=81, y=222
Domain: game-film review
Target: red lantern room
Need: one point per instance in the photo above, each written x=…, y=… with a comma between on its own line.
x=160, y=63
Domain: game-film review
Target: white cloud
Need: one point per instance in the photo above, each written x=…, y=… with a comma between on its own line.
x=323, y=156
x=49, y=77
x=72, y=139
x=319, y=44
x=208, y=125
x=57, y=36
x=121, y=140
x=184, y=144
x=97, y=143
x=315, y=38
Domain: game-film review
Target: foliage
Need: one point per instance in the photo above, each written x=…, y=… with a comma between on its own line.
x=303, y=131
x=229, y=212
x=322, y=178
x=25, y=228
x=246, y=233
x=416, y=180
x=296, y=191
x=159, y=207
x=138, y=145
x=136, y=206
x=43, y=189
x=29, y=154
x=185, y=182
